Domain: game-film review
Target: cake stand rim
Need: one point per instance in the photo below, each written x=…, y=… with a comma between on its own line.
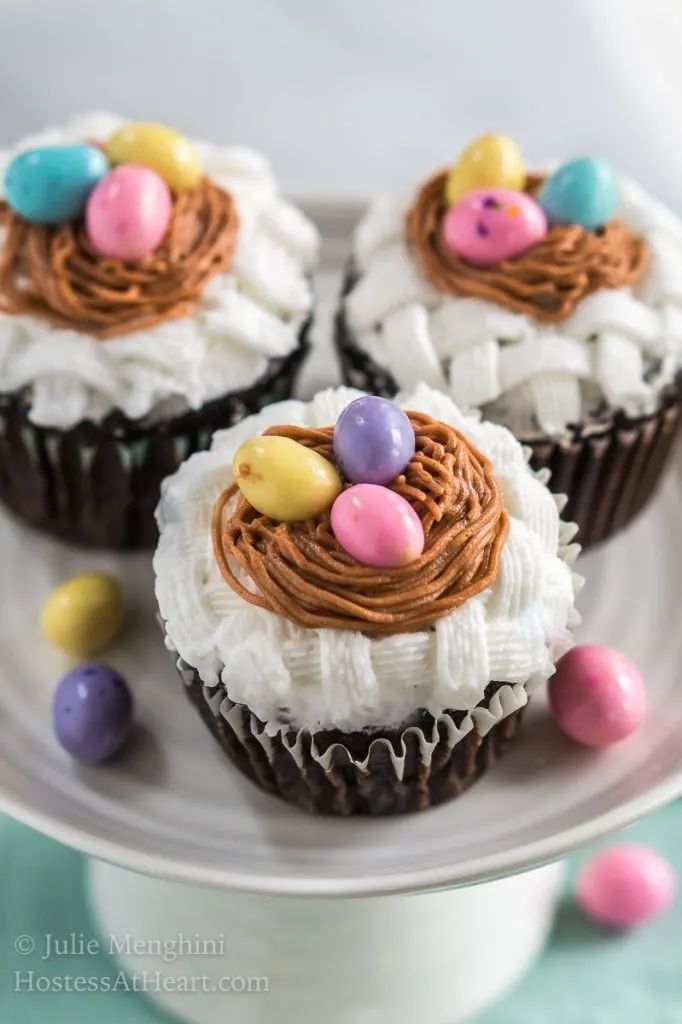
x=464, y=873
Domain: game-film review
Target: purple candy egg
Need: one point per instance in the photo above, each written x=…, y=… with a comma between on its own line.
x=92, y=712
x=373, y=441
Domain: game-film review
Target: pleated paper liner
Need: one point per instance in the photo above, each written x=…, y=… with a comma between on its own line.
x=97, y=485
x=376, y=772
x=610, y=474
x=608, y=471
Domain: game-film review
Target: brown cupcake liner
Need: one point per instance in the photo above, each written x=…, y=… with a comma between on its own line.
x=608, y=471
x=611, y=473
x=420, y=764
x=98, y=485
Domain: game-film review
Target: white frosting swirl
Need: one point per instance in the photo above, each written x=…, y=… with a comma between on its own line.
x=319, y=678
x=244, y=318
x=618, y=350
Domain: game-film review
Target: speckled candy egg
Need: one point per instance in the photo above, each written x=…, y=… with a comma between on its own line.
x=51, y=184
x=626, y=886
x=161, y=149
x=283, y=479
x=92, y=712
x=128, y=213
x=490, y=161
x=597, y=695
x=84, y=615
x=377, y=527
x=583, y=191
x=373, y=441
x=493, y=224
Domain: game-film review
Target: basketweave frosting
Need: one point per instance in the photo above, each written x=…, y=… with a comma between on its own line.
x=618, y=350
x=297, y=678
x=244, y=318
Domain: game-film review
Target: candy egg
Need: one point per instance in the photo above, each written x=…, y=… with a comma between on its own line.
x=626, y=885
x=377, y=527
x=490, y=161
x=51, y=184
x=493, y=224
x=128, y=213
x=583, y=192
x=161, y=149
x=597, y=695
x=92, y=712
x=84, y=615
x=284, y=480
x=373, y=441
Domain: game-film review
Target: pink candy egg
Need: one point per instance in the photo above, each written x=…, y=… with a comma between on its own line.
x=128, y=213
x=626, y=886
x=493, y=224
x=597, y=695
x=377, y=527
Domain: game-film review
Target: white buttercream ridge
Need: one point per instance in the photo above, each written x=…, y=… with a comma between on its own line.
x=309, y=679
x=244, y=318
x=619, y=349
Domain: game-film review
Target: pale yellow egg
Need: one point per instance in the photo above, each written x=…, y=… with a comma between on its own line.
x=84, y=615
x=284, y=480
x=161, y=149
x=490, y=161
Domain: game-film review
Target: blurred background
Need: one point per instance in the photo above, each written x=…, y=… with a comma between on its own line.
x=358, y=96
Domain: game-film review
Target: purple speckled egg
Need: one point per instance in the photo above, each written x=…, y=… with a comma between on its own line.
x=377, y=527
x=128, y=213
x=493, y=224
x=373, y=441
x=92, y=712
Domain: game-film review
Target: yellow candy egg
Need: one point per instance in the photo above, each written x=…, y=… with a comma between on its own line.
x=84, y=615
x=285, y=480
x=490, y=161
x=163, y=150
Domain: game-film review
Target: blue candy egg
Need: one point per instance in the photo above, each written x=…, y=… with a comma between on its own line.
x=51, y=184
x=583, y=191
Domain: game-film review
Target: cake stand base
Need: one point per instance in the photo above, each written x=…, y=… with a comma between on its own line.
x=439, y=957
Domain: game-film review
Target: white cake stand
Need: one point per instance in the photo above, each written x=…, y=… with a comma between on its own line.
x=274, y=915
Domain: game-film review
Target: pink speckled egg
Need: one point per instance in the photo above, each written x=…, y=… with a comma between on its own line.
x=626, y=885
x=377, y=527
x=493, y=224
x=128, y=213
x=597, y=695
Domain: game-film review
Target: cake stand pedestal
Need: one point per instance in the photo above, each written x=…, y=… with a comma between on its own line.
x=439, y=957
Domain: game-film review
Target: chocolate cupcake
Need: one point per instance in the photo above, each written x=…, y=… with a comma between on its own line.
x=550, y=303
x=377, y=686
x=117, y=362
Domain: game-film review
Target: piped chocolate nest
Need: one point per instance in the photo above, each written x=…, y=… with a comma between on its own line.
x=547, y=281
x=299, y=570
x=52, y=272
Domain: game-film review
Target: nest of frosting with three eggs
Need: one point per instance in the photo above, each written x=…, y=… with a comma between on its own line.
x=301, y=571
x=114, y=236
x=532, y=243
